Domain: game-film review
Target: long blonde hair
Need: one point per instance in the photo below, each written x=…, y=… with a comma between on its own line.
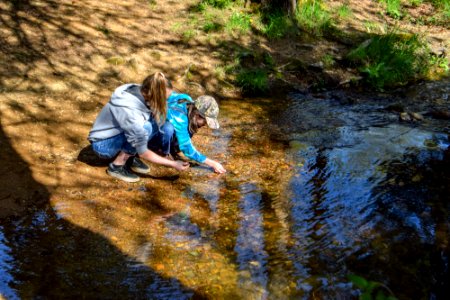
x=154, y=91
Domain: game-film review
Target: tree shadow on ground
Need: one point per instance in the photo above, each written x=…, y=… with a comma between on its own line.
x=45, y=256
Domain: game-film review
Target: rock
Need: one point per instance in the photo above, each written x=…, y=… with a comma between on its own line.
x=305, y=46
x=404, y=116
x=116, y=60
x=317, y=65
x=350, y=80
x=416, y=116
x=440, y=51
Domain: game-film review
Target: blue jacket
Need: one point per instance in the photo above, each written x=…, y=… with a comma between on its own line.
x=177, y=114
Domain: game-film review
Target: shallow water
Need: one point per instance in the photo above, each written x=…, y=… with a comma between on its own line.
x=344, y=189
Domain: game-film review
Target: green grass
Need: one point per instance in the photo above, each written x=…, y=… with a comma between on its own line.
x=439, y=67
x=371, y=290
x=188, y=34
x=441, y=16
x=415, y=3
x=344, y=11
x=210, y=26
x=393, y=8
x=444, y=5
x=238, y=22
x=371, y=27
x=217, y=3
x=253, y=81
x=391, y=59
x=328, y=60
x=313, y=17
x=276, y=25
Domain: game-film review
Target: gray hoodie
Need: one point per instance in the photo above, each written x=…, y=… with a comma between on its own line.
x=126, y=112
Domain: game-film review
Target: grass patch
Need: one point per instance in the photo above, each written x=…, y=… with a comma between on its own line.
x=439, y=67
x=238, y=22
x=344, y=11
x=371, y=27
x=391, y=59
x=328, y=60
x=217, y=3
x=277, y=25
x=210, y=26
x=415, y=3
x=188, y=34
x=393, y=8
x=313, y=17
x=253, y=81
x=440, y=17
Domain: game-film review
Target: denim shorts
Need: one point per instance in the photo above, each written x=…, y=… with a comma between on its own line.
x=158, y=138
x=110, y=147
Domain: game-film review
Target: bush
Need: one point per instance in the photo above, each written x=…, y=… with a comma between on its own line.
x=391, y=59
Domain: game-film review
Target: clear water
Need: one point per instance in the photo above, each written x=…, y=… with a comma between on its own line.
x=364, y=194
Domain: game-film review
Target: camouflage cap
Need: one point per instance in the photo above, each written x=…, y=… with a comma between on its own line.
x=209, y=109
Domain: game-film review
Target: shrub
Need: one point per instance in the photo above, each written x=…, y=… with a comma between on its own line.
x=391, y=59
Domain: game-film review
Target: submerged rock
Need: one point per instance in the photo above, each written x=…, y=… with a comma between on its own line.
x=404, y=116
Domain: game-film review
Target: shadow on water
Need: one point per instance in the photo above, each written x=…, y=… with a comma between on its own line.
x=44, y=256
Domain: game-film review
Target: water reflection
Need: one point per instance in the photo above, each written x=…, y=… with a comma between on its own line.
x=336, y=199
x=6, y=278
x=251, y=256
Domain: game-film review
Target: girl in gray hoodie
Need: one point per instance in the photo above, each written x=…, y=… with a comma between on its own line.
x=131, y=122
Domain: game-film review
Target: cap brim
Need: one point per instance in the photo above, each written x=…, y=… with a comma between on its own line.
x=212, y=123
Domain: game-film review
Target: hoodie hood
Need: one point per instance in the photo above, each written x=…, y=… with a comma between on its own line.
x=175, y=97
x=126, y=96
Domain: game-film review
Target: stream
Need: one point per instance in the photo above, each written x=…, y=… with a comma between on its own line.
x=353, y=190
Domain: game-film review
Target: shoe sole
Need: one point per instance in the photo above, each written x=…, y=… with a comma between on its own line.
x=118, y=176
x=140, y=171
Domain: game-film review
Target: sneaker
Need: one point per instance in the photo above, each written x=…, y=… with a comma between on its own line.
x=138, y=165
x=122, y=173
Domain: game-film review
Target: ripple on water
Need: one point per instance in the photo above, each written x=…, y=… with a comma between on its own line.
x=334, y=210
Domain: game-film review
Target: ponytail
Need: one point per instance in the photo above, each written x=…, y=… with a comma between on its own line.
x=154, y=91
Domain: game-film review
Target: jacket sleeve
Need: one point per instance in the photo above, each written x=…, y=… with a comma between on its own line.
x=180, y=123
x=132, y=121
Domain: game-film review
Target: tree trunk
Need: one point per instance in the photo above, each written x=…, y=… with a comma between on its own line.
x=292, y=8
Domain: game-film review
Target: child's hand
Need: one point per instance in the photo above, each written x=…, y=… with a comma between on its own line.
x=181, y=165
x=218, y=168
